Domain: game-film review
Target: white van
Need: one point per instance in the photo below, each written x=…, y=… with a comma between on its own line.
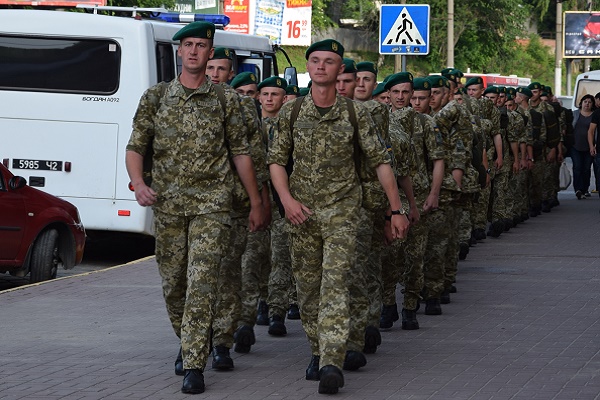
x=586, y=83
x=70, y=83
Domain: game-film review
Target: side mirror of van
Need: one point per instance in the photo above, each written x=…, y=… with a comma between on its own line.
x=291, y=76
x=17, y=182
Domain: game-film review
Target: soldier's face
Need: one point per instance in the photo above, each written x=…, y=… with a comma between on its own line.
x=438, y=98
x=492, y=96
x=345, y=84
x=535, y=94
x=289, y=97
x=271, y=100
x=383, y=98
x=501, y=99
x=511, y=105
x=365, y=84
x=323, y=67
x=420, y=101
x=400, y=95
x=219, y=71
x=475, y=91
x=194, y=53
x=250, y=90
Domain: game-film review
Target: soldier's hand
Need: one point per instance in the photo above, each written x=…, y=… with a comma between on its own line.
x=593, y=150
x=498, y=164
x=144, y=194
x=400, y=226
x=431, y=203
x=413, y=215
x=256, y=219
x=515, y=167
x=297, y=212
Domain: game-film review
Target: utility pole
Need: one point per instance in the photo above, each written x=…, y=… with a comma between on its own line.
x=558, y=50
x=400, y=61
x=450, y=61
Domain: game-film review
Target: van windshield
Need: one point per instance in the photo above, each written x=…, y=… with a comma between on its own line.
x=66, y=65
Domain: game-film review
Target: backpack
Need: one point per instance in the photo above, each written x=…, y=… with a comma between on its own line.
x=536, y=130
x=553, y=134
x=147, y=163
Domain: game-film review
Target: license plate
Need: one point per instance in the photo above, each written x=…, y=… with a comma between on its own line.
x=19, y=163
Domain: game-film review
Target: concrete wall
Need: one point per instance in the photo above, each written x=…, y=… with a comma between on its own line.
x=351, y=39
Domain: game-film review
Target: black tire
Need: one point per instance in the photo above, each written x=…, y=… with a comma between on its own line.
x=44, y=257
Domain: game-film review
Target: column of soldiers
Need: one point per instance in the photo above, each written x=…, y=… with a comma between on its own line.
x=327, y=198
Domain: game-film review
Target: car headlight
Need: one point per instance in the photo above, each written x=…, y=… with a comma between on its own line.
x=586, y=33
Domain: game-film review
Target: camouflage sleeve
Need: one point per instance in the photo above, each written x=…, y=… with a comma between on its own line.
x=143, y=121
x=280, y=141
x=494, y=116
x=527, y=137
x=403, y=151
x=514, y=128
x=447, y=119
x=435, y=143
x=371, y=143
x=258, y=152
x=236, y=133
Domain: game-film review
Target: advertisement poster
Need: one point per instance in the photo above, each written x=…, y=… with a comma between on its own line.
x=581, y=34
x=286, y=22
x=239, y=13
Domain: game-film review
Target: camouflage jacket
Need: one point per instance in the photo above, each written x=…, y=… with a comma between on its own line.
x=528, y=134
x=323, y=151
x=404, y=155
x=191, y=164
x=427, y=145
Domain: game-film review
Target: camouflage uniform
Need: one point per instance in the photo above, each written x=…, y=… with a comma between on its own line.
x=428, y=146
x=365, y=285
x=524, y=176
x=326, y=181
x=229, y=303
x=193, y=178
x=537, y=194
x=515, y=137
x=456, y=125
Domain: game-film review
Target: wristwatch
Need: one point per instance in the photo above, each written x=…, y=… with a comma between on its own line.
x=401, y=211
x=489, y=171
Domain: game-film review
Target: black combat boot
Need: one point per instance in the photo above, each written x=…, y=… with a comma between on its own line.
x=179, y=364
x=312, y=372
x=293, y=312
x=277, y=326
x=463, y=251
x=262, y=318
x=331, y=379
x=389, y=315
x=372, y=339
x=244, y=339
x=433, y=307
x=221, y=359
x=409, y=320
x=193, y=381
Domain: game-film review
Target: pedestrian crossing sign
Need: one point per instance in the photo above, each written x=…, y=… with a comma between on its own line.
x=404, y=29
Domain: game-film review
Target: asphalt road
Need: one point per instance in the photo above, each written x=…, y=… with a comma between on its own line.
x=101, y=251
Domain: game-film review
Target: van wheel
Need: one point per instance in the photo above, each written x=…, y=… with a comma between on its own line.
x=44, y=257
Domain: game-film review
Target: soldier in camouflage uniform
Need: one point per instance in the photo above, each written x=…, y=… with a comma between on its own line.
x=226, y=327
x=426, y=180
x=322, y=199
x=543, y=156
x=191, y=190
x=366, y=304
x=521, y=99
x=517, y=142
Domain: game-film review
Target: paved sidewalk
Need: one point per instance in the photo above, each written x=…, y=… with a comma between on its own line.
x=525, y=324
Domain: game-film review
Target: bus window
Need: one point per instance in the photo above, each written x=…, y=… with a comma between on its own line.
x=165, y=62
x=59, y=65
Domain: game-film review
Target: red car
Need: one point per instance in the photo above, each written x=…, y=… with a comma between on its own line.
x=591, y=32
x=38, y=232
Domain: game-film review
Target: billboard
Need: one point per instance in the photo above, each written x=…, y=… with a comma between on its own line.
x=581, y=37
x=52, y=3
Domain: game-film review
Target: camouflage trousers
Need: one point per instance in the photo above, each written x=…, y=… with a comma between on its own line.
x=501, y=197
x=392, y=267
x=442, y=244
x=323, y=254
x=480, y=208
x=412, y=268
x=280, y=279
x=535, y=182
x=550, y=184
x=465, y=224
x=229, y=303
x=256, y=266
x=189, y=252
x=521, y=198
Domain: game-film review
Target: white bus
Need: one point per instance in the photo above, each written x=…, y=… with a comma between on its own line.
x=70, y=83
x=586, y=83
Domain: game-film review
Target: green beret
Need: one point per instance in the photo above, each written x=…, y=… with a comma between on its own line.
x=292, y=89
x=525, y=91
x=273, y=81
x=304, y=91
x=243, y=79
x=511, y=90
x=198, y=29
x=349, y=66
x=534, y=85
x=544, y=93
x=326, y=45
x=458, y=72
x=222, y=53
x=548, y=89
x=398, y=78
x=509, y=96
x=492, y=89
x=437, y=81
x=446, y=71
x=367, y=66
x=387, y=78
x=476, y=80
x=501, y=89
x=380, y=88
x=421, y=84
